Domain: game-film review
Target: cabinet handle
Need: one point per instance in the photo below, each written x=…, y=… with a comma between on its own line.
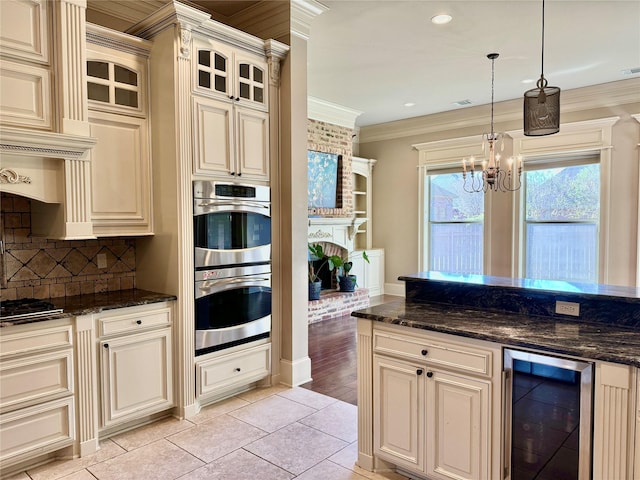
x=139, y=322
x=238, y=369
x=106, y=345
x=424, y=352
x=429, y=374
x=419, y=371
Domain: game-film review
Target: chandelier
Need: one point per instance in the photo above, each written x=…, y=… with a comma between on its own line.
x=542, y=104
x=493, y=176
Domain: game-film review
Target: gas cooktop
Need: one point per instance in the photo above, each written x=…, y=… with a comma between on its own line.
x=26, y=308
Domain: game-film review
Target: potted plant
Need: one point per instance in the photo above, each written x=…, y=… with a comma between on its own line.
x=346, y=282
x=315, y=284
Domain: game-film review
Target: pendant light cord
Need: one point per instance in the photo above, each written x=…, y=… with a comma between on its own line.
x=542, y=66
x=493, y=61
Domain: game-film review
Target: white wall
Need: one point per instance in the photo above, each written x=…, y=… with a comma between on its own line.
x=395, y=177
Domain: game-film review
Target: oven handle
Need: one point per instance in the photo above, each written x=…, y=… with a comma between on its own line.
x=214, y=286
x=233, y=204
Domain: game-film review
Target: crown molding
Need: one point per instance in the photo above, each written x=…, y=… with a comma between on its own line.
x=302, y=13
x=586, y=98
x=106, y=37
x=331, y=113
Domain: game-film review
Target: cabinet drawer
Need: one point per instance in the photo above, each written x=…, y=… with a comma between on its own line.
x=35, y=379
x=38, y=429
x=238, y=368
x=26, y=339
x=133, y=319
x=434, y=352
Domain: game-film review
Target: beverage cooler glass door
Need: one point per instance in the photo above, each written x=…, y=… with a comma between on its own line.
x=548, y=416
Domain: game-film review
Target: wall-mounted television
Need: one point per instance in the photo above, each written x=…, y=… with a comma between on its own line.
x=322, y=185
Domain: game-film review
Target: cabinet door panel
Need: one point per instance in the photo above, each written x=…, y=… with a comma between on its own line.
x=253, y=143
x=458, y=434
x=25, y=95
x=398, y=412
x=23, y=24
x=136, y=375
x=120, y=172
x=213, y=137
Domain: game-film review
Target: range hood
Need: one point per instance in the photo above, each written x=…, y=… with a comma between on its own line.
x=52, y=168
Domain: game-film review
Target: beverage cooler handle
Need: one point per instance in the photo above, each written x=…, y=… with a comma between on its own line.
x=507, y=398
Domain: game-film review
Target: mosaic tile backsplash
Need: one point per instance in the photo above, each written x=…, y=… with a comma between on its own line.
x=42, y=268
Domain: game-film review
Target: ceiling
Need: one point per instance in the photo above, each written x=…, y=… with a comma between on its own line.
x=376, y=55
x=373, y=56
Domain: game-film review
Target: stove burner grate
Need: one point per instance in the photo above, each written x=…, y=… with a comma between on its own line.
x=26, y=308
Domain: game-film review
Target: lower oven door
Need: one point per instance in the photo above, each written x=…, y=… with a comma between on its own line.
x=230, y=311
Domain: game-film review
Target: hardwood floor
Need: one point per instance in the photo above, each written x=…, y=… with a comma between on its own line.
x=332, y=349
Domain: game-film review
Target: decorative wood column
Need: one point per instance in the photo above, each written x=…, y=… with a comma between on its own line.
x=365, y=393
x=613, y=421
x=70, y=71
x=86, y=381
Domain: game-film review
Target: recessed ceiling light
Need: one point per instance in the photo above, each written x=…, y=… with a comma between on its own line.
x=441, y=19
x=409, y=104
x=631, y=71
x=462, y=103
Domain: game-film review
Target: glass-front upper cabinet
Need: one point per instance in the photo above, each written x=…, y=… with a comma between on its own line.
x=238, y=76
x=116, y=84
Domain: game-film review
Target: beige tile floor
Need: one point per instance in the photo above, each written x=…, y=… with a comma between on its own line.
x=275, y=433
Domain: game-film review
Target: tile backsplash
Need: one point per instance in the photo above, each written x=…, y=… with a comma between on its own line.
x=42, y=268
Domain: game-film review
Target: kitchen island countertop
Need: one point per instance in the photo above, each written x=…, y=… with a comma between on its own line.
x=514, y=326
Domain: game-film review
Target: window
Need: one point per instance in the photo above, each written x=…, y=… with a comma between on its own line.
x=561, y=221
x=453, y=225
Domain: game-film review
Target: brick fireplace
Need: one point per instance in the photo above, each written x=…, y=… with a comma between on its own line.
x=337, y=238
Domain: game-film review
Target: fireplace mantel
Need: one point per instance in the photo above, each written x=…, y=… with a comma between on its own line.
x=340, y=231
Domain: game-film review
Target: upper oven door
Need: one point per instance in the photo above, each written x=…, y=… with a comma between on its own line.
x=231, y=232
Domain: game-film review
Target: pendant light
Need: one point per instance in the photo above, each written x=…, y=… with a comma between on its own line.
x=542, y=104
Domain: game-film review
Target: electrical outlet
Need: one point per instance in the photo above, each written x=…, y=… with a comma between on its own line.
x=568, y=308
x=102, y=260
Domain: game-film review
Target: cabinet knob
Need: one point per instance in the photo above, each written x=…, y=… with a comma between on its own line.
x=139, y=322
x=424, y=352
x=232, y=173
x=429, y=374
x=239, y=174
x=419, y=371
x=237, y=99
x=238, y=369
x=231, y=97
x=106, y=345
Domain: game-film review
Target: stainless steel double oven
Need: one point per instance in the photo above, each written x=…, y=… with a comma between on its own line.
x=232, y=253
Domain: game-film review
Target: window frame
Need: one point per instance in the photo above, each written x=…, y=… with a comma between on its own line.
x=439, y=157
x=591, y=138
x=545, y=163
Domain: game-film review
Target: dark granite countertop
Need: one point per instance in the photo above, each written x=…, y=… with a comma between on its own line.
x=604, y=325
x=94, y=303
x=607, y=342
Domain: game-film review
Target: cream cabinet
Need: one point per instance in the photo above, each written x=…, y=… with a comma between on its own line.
x=117, y=89
x=230, y=141
x=434, y=409
x=370, y=275
x=135, y=363
x=220, y=373
x=399, y=420
x=234, y=75
x=636, y=475
x=25, y=71
x=362, y=170
x=37, y=401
